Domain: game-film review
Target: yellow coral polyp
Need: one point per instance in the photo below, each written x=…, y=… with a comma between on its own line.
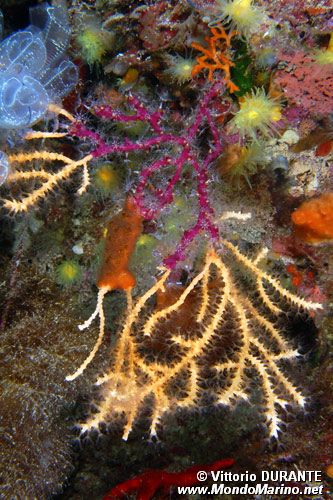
x=240, y=8
x=92, y=45
x=68, y=273
x=257, y=113
x=131, y=76
x=180, y=68
x=326, y=56
x=242, y=14
x=253, y=115
x=276, y=114
x=107, y=178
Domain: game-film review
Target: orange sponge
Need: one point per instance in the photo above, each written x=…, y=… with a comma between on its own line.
x=122, y=234
x=313, y=219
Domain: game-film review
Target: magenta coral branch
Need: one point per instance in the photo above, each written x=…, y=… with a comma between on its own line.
x=186, y=155
x=203, y=223
x=202, y=110
x=164, y=197
x=214, y=131
x=78, y=129
x=130, y=146
x=142, y=114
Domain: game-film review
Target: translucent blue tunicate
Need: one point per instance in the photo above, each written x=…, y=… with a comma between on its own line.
x=4, y=167
x=33, y=68
x=1, y=24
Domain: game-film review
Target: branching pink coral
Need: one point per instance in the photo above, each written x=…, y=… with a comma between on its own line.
x=187, y=155
x=177, y=151
x=305, y=83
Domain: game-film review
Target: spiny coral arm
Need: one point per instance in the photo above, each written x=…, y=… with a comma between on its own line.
x=131, y=316
x=52, y=179
x=294, y=299
x=54, y=108
x=269, y=327
x=262, y=275
x=98, y=312
x=161, y=404
x=236, y=387
x=57, y=110
x=271, y=378
x=164, y=313
x=85, y=180
x=266, y=299
x=160, y=374
x=197, y=346
x=193, y=385
x=279, y=377
x=44, y=135
x=271, y=413
x=204, y=303
x=39, y=155
x=28, y=175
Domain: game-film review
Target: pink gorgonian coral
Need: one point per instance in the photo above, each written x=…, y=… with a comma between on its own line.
x=305, y=83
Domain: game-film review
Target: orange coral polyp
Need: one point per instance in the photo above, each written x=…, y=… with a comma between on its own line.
x=122, y=233
x=313, y=219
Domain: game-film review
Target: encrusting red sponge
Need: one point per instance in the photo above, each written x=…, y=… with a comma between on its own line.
x=147, y=484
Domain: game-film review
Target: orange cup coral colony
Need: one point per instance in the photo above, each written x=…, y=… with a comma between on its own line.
x=313, y=219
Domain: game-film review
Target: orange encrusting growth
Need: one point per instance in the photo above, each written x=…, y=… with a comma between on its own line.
x=313, y=219
x=214, y=56
x=122, y=233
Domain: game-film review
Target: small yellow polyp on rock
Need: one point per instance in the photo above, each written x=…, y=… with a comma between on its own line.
x=257, y=114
